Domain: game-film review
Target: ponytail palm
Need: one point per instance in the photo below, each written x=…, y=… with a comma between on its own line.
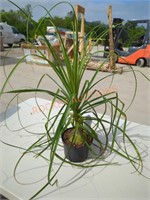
x=80, y=101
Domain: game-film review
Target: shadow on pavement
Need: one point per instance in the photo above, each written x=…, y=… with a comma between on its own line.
x=8, y=60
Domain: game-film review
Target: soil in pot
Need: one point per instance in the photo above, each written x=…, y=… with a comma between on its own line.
x=75, y=151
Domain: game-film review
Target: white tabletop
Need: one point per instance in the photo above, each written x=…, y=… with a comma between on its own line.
x=100, y=183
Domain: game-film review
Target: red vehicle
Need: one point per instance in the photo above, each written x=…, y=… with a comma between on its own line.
x=132, y=42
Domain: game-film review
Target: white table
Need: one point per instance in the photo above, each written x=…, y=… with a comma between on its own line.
x=101, y=183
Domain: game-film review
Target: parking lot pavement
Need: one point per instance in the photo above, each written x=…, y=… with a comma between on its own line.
x=28, y=75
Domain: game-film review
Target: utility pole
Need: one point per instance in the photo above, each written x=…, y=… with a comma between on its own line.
x=1, y=42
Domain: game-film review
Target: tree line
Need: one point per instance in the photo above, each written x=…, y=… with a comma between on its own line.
x=17, y=19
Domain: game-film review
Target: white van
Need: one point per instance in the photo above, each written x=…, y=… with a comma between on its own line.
x=19, y=38
x=10, y=34
x=7, y=34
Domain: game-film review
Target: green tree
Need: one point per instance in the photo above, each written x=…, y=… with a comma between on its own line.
x=18, y=20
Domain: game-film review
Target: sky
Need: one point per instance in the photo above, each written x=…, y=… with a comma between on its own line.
x=95, y=10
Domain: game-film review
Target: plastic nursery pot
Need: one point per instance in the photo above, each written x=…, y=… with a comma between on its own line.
x=75, y=153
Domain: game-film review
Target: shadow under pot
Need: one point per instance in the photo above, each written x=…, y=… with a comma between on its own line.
x=75, y=152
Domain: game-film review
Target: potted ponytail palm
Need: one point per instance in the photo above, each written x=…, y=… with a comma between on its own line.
x=77, y=123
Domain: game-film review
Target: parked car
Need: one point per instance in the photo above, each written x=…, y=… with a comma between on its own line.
x=7, y=34
x=10, y=34
x=19, y=37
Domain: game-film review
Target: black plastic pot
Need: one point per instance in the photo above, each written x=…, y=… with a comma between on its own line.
x=75, y=153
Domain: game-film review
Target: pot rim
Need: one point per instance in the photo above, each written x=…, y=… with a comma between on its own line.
x=89, y=140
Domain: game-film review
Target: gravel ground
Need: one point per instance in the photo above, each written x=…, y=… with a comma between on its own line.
x=28, y=75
